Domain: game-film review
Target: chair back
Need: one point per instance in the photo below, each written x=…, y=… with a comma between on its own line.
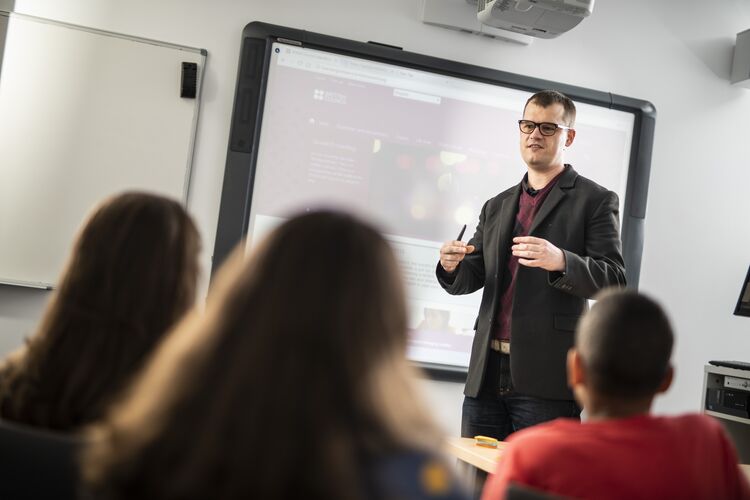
x=517, y=491
x=37, y=464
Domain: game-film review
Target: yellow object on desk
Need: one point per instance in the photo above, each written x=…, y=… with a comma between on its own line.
x=489, y=442
x=481, y=457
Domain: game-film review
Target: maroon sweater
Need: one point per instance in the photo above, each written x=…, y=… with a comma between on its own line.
x=529, y=204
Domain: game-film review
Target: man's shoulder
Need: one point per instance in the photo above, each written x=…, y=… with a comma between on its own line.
x=496, y=201
x=514, y=189
x=585, y=185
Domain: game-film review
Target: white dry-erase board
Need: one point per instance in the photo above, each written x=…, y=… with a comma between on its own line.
x=84, y=114
x=414, y=144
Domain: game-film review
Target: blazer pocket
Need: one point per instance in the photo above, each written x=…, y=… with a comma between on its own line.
x=565, y=322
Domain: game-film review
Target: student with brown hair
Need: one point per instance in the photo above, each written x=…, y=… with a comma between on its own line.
x=620, y=362
x=131, y=275
x=292, y=384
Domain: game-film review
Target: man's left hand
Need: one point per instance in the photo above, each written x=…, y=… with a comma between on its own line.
x=537, y=252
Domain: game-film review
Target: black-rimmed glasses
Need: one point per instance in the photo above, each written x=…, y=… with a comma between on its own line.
x=545, y=128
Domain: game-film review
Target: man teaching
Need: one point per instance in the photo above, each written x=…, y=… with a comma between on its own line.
x=540, y=249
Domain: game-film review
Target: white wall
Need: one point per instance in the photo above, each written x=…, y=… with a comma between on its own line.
x=676, y=54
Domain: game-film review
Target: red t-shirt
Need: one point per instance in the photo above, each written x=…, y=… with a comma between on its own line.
x=632, y=458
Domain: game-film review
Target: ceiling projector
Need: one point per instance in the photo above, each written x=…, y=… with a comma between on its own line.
x=537, y=18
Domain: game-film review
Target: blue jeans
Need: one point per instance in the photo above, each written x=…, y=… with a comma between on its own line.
x=499, y=411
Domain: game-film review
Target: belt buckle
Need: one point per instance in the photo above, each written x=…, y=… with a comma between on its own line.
x=500, y=346
x=505, y=347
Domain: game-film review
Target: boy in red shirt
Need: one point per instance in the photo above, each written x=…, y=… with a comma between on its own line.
x=619, y=363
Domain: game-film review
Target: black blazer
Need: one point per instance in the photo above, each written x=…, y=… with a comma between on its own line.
x=579, y=217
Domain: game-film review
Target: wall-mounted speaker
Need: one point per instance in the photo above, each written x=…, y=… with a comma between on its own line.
x=741, y=62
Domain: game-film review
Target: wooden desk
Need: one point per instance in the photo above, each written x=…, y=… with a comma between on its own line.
x=480, y=457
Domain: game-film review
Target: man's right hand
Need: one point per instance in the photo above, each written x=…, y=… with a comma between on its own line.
x=452, y=253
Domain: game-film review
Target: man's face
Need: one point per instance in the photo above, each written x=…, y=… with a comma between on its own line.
x=542, y=152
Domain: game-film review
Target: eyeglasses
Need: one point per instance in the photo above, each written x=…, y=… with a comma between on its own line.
x=546, y=128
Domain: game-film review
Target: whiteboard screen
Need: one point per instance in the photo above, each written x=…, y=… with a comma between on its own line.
x=83, y=114
x=415, y=150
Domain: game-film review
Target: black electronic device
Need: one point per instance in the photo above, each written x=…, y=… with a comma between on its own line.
x=728, y=401
x=737, y=365
x=189, y=86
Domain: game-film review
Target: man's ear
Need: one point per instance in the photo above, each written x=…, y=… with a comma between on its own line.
x=576, y=372
x=667, y=382
x=570, y=138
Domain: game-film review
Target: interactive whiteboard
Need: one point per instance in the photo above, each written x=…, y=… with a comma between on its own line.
x=413, y=144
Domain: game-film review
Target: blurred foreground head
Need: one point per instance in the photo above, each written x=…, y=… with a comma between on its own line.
x=131, y=275
x=289, y=384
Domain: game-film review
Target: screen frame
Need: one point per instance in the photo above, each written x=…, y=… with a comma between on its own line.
x=246, y=122
x=743, y=308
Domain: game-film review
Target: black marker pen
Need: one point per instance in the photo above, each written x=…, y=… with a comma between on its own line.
x=461, y=234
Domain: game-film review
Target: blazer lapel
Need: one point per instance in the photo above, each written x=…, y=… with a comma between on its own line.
x=555, y=196
x=506, y=221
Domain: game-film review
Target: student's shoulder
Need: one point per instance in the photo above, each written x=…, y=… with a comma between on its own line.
x=694, y=431
x=547, y=437
x=415, y=474
x=694, y=423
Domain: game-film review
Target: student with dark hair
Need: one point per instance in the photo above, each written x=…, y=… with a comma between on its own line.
x=619, y=363
x=131, y=275
x=293, y=384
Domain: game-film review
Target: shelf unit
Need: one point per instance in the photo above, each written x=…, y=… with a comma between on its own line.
x=737, y=427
